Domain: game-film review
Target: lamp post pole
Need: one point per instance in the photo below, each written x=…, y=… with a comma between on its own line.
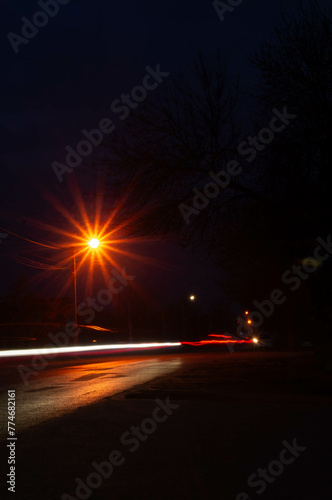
x=94, y=243
x=130, y=323
x=184, y=321
x=74, y=277
x=191, y=298
x=163, y=324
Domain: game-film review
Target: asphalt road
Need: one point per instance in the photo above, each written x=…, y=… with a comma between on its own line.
x=62, y=388
x=231, y=415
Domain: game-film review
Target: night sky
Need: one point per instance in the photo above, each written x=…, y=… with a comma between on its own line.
x=65, y=79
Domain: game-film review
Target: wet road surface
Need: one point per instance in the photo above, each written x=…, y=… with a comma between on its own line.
x=60, y=390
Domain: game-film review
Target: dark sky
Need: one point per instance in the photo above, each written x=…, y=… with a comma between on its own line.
x=65, y=78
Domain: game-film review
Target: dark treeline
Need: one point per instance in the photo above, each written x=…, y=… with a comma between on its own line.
x=264, y=213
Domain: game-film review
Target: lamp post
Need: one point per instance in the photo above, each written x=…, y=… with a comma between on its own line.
x=130, y=323
x=93, y=243
x=191, y=298
x=74, y=277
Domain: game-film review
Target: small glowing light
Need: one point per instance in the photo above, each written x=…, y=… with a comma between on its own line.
x=94, y=243
x=249, y=321
x=192, y=297
x=246, y=312
x=255, y=341
x=311, y=263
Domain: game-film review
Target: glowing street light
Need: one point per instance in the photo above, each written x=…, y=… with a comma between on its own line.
x=94, y=243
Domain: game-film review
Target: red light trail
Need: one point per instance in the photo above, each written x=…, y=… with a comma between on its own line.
x=203, y=342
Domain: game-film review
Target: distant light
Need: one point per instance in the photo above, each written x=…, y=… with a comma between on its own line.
x=311, y=263
x=255, y=341
x=192, y=297
x=94, y=243
x=249, y=321
x=246, y=312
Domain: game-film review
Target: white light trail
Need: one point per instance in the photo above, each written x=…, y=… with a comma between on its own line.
x=87, y=348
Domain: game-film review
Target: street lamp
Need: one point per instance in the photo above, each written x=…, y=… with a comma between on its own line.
x=93, y=243
x=191, y=298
